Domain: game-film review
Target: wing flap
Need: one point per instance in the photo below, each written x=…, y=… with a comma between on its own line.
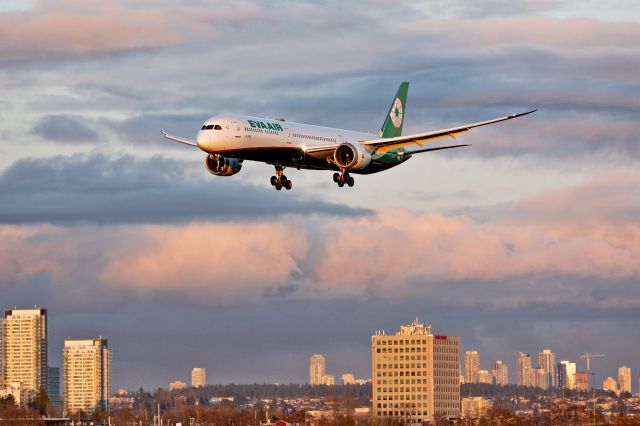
x=385, y=144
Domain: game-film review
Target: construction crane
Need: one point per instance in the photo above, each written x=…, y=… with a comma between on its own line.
x=588, y=357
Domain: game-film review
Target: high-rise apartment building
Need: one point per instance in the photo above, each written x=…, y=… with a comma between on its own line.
x=471, y=366
x=524, y=369
x=316, y=369
x=547, y=361
x=624, y=378
x=24, y=348
x=540, y=378
x=582, y=381
x=328, y=380
x=87, y=375
x=198, y=377
x=53, y=386
x=570, y=374
x=500, y=372
x=415, y=374
x=484, y=376
x=561, y=374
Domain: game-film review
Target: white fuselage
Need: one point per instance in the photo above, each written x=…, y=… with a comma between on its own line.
x=233, y=133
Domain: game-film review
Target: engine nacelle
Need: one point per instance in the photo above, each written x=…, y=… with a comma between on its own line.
x=352, y=156
x=222, y=166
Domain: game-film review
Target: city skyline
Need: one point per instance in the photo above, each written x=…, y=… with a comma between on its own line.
x=499, y=367
x=525, y=240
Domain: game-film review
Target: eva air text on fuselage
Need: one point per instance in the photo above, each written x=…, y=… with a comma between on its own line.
x=261, y=125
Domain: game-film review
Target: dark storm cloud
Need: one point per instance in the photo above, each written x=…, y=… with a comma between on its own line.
x=100, y=189
x=66, y=128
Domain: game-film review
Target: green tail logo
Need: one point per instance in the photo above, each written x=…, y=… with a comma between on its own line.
x=392, y=126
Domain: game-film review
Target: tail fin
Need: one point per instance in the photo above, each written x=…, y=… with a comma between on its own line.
x=392, y=126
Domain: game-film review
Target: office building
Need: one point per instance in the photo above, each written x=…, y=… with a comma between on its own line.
x=316, y=369
x=540, y=378
x=177, y=385
x=569, y=370
x=609, y=384
x=500, y=373
x=624, y=379
x=524, y=369
x=87, y=375
x=547, y=361
x=415, y=374
x=198, y=377
x=24, y=348
x=53, y=386
x=348, y=379
x=471, y=366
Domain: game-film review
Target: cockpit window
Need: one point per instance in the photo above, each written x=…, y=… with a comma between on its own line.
x=209, y=127
x=203, y=127
x=217, y=127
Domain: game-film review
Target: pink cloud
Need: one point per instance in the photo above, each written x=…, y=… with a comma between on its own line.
x=587, y=232
x=75, y=28
x=541, y=30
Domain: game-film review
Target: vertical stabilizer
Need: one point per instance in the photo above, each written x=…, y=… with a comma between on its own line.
x=392, y=126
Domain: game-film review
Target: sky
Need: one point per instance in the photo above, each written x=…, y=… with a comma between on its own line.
x=526, y=240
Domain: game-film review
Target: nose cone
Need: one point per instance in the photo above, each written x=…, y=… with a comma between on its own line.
x=204, y=140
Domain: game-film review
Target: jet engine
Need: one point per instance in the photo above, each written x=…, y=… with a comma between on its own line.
x=352, y=156
x=222, y=166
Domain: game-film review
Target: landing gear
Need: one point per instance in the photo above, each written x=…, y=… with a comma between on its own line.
x=342, y=178
x=280, y=181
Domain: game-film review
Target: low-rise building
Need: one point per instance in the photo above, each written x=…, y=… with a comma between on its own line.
x=474, y=408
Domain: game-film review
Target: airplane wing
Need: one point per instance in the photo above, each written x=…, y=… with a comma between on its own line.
x=383, y=145
x=178, y=139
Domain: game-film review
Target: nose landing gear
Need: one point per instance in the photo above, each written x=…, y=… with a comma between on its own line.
x=280, y=181
x=342, y=178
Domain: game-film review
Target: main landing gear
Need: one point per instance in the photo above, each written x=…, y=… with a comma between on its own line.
x=342, y=178
x=280, y=181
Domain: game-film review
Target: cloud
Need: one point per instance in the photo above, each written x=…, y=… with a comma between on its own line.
x=587, y=256
x=66, y=128
x=95, y=188
x=67, y=28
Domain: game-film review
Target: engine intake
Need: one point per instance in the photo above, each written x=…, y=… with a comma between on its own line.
x=352, y=156
x=222, y=166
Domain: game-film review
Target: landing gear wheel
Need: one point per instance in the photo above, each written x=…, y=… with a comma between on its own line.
x=336, y=177
x=350, y=181
x=273, y=180
x=278, y=186
x=288, y=185
x=340, y=183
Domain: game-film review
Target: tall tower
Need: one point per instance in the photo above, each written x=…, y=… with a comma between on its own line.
x=471, y=366
x=624, y=379
x=415, y=374
x=524, y=369
x=500, y=372
x=24, y=348
x=316, y=369
x=547, y=362
x=570, y=371
x=198, y=377
x=87, y=375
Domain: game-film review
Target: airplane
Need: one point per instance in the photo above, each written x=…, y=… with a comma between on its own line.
x=229, y=140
